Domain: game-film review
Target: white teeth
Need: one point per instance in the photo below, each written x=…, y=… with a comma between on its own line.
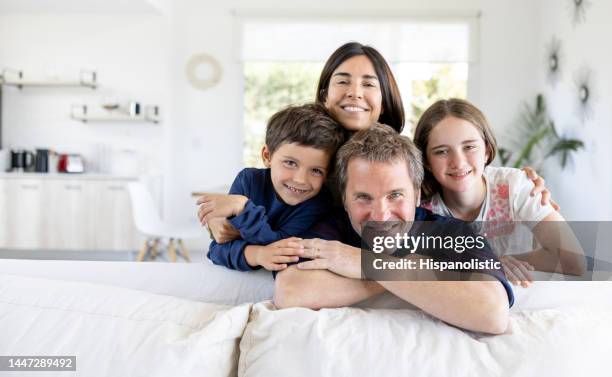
x=460, y=174
x=293, y=189
x=353, y=109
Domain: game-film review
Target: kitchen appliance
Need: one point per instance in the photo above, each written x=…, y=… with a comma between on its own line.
x=71, y=163
x=41, y=164
x=21, y=160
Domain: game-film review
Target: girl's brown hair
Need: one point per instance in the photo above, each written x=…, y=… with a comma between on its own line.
x=453, y=107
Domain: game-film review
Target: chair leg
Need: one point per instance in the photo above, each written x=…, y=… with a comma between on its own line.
x=143, y=251
x=154, y=248
x=184, y=250
x=171, y=251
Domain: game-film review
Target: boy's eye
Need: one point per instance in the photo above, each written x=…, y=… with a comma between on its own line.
x=289, y=163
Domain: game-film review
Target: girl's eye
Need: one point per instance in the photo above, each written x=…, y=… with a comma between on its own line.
x=470, y=147
x=362, y=198
x=290, y=163
x=318, y=172
x=341, y=82
x=440, y=152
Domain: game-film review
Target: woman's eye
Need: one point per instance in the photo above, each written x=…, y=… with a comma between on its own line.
x=369, y=84
x=341, y=82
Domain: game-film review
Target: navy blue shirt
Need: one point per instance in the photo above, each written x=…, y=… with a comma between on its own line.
x=338, y=227
x=265, y=218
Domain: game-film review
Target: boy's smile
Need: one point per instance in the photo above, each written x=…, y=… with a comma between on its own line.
x=297, y=171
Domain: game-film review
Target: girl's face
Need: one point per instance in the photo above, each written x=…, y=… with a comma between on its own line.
x=456, y=154
x=354, y=97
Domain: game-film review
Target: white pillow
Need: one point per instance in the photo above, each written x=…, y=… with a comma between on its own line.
x=382, y=342
x=116, y=331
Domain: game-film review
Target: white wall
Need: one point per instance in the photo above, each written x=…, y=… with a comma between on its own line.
x=584, y=189
x=199, y=144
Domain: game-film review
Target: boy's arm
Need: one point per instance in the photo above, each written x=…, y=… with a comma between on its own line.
x=230, y=254
x=254, y=226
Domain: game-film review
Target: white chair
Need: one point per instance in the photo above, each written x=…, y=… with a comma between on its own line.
x=157, y=231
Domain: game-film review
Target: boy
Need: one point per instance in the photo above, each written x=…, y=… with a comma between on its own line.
x=286, y=198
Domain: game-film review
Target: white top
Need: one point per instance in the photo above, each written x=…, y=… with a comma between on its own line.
x=507, y=200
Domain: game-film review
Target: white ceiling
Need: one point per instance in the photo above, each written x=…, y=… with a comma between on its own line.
x=79, y=6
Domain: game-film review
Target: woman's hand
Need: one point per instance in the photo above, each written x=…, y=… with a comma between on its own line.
x=334, y=256
x=275, y=256
x=517, y=271
x=221, y=230
x=539, y=187
x=219, y=205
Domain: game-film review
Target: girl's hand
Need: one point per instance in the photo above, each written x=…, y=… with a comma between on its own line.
x=275, y=256
x=219, y=205
x=517, y=271
x=222, y=231
x=539, y=187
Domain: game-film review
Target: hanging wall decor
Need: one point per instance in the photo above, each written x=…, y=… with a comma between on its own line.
x=553, y=61
x=584, y=93
x=578, y=10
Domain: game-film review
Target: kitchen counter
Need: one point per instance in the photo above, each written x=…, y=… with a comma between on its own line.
x=84, y=176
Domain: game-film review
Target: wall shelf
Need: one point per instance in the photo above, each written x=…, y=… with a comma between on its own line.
x=81, y=113
x=11, y=77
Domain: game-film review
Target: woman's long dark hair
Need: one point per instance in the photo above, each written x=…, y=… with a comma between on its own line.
x=392, y=111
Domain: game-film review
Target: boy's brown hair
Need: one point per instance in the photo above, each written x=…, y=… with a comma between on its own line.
x=308, y=125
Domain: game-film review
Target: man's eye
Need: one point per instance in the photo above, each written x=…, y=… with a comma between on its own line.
x=396, y=195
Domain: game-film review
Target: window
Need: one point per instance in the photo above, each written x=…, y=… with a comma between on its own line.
x=282, y=61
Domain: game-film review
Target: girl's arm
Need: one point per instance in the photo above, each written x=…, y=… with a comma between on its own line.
x=561, y=252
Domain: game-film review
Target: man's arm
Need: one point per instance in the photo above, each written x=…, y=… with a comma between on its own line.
x=472, y=305
x=317, y=289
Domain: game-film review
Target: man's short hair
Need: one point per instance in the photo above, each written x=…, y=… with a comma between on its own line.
x=379, y=143
x=308, y=125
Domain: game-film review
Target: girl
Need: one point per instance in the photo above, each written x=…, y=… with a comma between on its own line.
x=458, y=145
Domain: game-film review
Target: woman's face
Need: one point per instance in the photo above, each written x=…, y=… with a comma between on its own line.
x=456, y=154
x=354, y=97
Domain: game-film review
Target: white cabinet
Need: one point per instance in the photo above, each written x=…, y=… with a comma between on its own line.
x=26, y=220
x=113, y=228
x=66, y=213
x=69, y=221
x=3, y=209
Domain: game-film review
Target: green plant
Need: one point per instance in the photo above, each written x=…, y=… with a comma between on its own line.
x=538, y=140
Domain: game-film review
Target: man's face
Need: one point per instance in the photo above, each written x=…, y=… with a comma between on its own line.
x=378, y=191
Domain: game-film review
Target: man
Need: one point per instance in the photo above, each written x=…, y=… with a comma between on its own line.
x=379, y=177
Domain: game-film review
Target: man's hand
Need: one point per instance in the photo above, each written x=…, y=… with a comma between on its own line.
x=334, y=256
x=275, y=256
x=219, y=205
x=222, y=231
x=517, y=271
x=539, y=187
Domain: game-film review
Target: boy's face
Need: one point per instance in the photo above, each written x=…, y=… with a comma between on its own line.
x=298, y=172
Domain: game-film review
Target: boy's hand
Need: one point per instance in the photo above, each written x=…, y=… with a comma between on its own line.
x=219, y=205
x=275, y=256
x=222, y=231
